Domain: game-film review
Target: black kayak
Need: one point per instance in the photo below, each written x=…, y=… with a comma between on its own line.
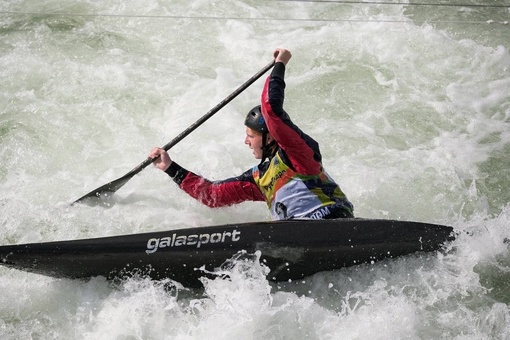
x=292, y=249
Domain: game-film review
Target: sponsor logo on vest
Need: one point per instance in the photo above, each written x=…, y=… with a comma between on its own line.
x=321, y=213
x=196, y=240
x=273, y=180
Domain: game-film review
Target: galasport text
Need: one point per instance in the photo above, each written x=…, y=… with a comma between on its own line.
x=197, y=240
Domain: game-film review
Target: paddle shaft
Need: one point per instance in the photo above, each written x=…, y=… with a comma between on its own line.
x=115, y=185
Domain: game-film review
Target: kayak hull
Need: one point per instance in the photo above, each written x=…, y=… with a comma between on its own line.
x=291, y=249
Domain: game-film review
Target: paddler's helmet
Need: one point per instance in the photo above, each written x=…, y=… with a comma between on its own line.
x=255, y=121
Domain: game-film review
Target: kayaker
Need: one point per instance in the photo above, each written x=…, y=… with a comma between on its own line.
x=290, y=177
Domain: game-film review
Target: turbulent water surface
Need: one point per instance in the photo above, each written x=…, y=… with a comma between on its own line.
x=410, y=103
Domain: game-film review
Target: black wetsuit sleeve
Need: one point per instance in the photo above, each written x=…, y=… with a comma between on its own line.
x=177, y=172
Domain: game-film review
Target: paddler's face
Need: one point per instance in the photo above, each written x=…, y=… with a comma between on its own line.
x=254, y=141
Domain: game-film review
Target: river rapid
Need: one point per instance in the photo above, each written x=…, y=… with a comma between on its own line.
x=410, y=103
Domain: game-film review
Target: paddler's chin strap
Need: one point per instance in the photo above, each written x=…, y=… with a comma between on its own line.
x=268, y=150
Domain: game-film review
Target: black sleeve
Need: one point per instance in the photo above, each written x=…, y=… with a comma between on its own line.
x=177, y=172
x=278, y=70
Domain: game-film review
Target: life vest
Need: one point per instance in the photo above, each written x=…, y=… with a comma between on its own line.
x=292, y=195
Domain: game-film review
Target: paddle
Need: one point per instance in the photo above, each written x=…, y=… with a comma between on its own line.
x=115, y=185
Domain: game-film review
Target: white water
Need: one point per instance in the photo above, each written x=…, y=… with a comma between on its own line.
x=411, y=106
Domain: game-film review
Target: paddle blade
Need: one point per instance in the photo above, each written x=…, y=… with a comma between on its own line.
x=106, y=190
x=110, y=188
